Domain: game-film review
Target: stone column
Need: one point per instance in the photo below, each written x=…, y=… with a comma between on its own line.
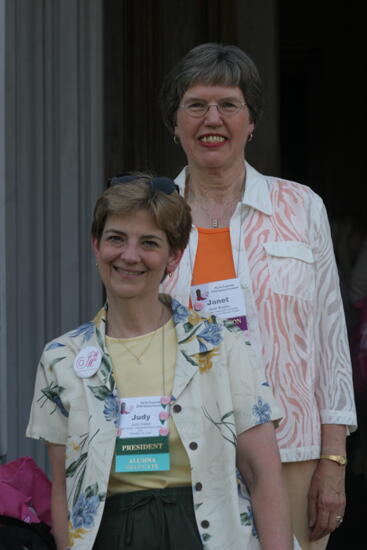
x=3, y=369
x=54, y=172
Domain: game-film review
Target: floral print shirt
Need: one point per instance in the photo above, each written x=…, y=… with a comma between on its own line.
x=219, y=391
x=284, y=259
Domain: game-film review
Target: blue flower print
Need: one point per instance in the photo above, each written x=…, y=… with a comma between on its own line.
x=211, y=333
x=180, y=312
x=84, y=511
x=262, y=411
x=111, y=408
x=87, y=330
x=54, y=345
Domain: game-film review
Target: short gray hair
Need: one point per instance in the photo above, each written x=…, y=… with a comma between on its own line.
x=211, y=64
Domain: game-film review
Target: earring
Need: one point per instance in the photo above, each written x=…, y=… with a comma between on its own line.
x=176, y=141
x=96, y=264
x=250, y=137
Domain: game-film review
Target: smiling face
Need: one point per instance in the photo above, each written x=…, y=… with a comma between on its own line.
x=214, y=140
x=133, y=255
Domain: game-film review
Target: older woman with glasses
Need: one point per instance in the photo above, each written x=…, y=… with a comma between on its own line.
x=147, y=409
x=260, y=255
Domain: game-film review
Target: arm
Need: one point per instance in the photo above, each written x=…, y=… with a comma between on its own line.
x=333, y=386
x=327, y=493
x=259, y=463
x=59, y=512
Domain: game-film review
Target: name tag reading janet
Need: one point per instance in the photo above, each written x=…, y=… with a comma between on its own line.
x=223, y=299
x=142, y=440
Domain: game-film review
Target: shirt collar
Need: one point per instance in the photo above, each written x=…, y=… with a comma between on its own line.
x=190, y=328
x=256, y=194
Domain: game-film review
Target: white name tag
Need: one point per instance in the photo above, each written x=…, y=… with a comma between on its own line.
x=223, y=299
x=142, y=442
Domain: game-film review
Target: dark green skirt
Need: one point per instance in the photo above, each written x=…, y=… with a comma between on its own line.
x=158, y=519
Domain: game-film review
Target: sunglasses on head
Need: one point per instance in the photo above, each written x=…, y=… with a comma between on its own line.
x=159, y=183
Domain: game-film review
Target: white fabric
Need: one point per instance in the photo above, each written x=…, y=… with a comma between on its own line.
x=284, y=258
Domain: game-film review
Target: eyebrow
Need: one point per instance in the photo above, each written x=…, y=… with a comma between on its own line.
x=119, y=232
x=227, y=98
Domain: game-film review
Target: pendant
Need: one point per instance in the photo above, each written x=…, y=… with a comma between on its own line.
x=215, y=223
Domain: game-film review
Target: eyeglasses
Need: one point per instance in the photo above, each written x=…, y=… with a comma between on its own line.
x=198, y=109
x=160, y=183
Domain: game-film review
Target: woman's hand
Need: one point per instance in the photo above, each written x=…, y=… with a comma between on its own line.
x=326, y=499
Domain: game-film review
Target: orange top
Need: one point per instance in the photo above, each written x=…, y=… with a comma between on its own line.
x=214, y=260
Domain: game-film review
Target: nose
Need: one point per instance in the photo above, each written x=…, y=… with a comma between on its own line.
x=213, y=115
x=130, y=253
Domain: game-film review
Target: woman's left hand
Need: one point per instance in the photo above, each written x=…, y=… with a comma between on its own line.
x=326, y=499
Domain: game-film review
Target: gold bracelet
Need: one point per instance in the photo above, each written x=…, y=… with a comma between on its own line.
x=340, y=459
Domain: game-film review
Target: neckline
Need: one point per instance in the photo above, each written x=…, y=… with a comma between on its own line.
x=140, y=336
x=212, y=230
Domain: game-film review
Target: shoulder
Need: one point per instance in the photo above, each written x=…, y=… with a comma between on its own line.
x=182, y=314
x=279, y=196
x=280, y=184
x=292, y=189
x=71, y=342
x=208, y=332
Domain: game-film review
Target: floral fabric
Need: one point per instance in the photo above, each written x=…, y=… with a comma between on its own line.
x=283, y=256
x=219, y=391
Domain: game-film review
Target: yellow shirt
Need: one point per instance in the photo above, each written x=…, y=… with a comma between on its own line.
x=138, y=370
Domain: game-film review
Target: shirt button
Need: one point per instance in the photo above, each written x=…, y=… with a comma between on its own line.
x=205, y=524
x=193, y=445
x=177, y=408
x=198, y=486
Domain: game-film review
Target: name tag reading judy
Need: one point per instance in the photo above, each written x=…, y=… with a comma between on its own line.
x=223, y=299
x=142, y=437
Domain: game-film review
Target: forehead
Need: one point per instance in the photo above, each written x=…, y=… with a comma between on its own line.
x=138, y=222
x=208, y=92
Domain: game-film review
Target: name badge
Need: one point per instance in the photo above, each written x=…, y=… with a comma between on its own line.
x=87, y=362
x=223, y=299
x=142, y=440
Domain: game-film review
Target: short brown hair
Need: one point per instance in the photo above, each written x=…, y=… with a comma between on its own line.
x=171, y=212
x=211, y=64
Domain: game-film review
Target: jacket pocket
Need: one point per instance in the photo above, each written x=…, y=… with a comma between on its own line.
x=291, y=268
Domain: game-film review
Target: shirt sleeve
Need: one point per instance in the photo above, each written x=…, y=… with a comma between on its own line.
x=333, y=376
x=252, y=397
x=49, y=411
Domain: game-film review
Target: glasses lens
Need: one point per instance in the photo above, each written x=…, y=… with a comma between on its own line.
x=196, y=109
x=200, y=108
x=229, y=107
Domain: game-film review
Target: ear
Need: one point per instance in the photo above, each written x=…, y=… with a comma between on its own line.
x=176, y=131
x=174, y=260
x=95, y=247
